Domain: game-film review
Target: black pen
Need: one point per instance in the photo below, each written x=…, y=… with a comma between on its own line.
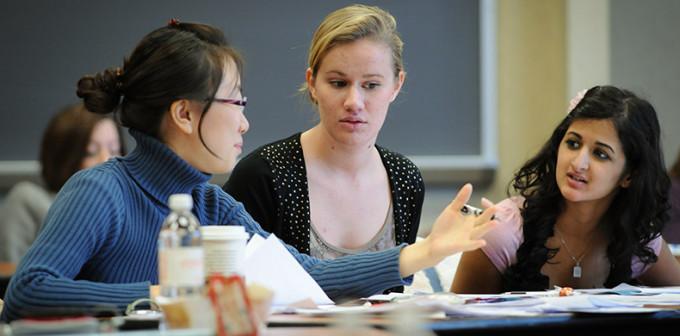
x=470, y=210
x=467, y=210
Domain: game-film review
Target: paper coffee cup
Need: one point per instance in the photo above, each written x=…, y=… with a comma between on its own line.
x=223, y=249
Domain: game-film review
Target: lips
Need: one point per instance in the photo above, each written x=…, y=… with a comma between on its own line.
x=353, y=121
x=577, y=178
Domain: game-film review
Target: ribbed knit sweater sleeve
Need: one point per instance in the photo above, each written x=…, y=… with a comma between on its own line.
x=83, y=222
x=347, y=277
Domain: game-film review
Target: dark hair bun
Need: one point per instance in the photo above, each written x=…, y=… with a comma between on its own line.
x=101, y=92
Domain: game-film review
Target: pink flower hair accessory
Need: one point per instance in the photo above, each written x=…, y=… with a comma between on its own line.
x=576, y=99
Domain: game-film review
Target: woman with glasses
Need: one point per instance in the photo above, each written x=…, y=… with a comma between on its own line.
x=180, y=94
x=331, y=191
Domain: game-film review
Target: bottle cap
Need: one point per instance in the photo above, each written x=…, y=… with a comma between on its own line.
x=181, y=202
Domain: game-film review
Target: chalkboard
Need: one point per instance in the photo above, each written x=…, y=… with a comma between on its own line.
x=439, y=119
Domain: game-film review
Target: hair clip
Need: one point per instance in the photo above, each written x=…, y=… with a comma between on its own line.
x=173, y=22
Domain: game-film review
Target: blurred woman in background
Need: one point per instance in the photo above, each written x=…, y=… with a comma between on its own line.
x=74, y=139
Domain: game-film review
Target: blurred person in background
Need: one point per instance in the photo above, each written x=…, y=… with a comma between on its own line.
x=74, y=139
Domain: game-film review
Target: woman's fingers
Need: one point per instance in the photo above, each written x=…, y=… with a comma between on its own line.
x=487, y=214
x=480, y=230
x=461, y=198
x=486, y=203
x=454, y=232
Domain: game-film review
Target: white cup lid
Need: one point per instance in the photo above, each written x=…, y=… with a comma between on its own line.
x=220, y=232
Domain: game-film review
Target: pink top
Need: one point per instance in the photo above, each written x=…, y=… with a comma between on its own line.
x=504, y=240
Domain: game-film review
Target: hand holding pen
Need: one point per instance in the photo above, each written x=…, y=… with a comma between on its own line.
x=468, y=210
x=452, y=232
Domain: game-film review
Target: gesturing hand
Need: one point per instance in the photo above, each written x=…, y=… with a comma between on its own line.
x=451, y=233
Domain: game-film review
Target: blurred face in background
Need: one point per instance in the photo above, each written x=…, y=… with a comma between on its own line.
x=104, y=143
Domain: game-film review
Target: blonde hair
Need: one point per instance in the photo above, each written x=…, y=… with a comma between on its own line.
x=349, y=24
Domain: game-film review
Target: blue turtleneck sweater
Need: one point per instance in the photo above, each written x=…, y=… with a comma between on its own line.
x=98, y=247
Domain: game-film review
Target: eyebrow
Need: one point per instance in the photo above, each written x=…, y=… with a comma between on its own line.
x=599, y=143
x=340, y=73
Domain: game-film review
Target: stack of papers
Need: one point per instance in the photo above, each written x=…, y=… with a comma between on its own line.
x=623, y=299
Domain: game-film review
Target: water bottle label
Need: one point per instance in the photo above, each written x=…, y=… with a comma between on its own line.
x=181, y=266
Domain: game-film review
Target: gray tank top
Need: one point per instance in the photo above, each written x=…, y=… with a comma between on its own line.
x=384, y=239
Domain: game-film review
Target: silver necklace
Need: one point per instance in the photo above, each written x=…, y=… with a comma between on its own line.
x=576, y=271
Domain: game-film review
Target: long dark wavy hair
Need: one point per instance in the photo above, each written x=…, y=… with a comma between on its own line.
x=635, y=216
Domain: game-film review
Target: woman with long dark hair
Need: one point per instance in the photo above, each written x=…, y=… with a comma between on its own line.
x=590, y=206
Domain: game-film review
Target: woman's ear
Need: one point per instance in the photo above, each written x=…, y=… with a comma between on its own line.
x=626, y=180
x=180, y=116
x=309, y=77
x=397, y=86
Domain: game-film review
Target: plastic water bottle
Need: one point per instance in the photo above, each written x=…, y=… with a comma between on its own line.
x=180, y=251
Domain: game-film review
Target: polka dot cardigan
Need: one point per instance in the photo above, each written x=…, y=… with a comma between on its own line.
x=271, y=182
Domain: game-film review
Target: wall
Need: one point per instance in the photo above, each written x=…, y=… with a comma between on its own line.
x=588, y=51
x=531, y=92
x=645, y=57
x=437, y=114
x=549, y=50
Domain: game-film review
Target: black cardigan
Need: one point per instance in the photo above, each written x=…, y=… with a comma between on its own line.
x=271, y=182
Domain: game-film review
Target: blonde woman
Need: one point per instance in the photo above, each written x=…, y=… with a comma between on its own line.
x=331, y=190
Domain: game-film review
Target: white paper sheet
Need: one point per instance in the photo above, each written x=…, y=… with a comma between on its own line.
x=626, y=289
x=268, y=263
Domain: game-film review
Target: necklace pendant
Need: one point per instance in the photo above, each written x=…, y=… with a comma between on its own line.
x=577, y=271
